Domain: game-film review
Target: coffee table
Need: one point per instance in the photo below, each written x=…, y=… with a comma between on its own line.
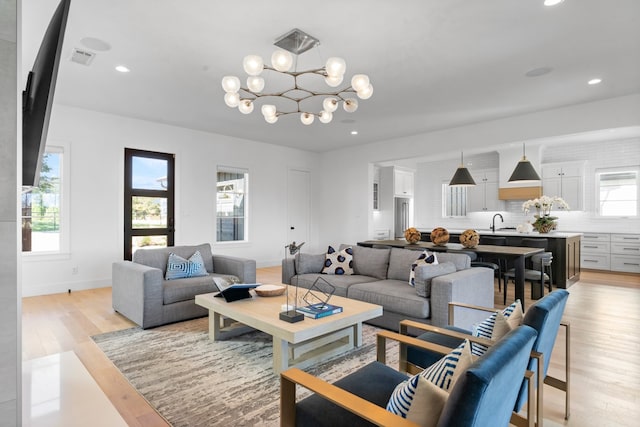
x=299, y=344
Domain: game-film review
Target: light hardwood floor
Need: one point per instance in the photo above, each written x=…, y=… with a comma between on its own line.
x=604, y=311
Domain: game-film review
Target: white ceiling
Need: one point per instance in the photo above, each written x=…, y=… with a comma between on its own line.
x=434, y=64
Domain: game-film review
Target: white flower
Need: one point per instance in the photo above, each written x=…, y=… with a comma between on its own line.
x=544, y=204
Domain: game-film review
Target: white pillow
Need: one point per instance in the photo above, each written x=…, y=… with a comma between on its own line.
x=424, y=258
x=338, y=262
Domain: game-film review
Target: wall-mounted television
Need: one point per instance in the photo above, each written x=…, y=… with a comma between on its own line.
x=37, y=98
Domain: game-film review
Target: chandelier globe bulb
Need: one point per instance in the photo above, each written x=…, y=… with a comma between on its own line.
x=330, y=104
x=246, y=106
x=366, y=92
x=230, y=84
x=282, y=60
x=350, y=105
x=253, y=65
x=325, y=117
x=271, y=119
x=255, y=83
x=268, y=110
x=232, y=99
x=335, y=67
x=333, y=81
x=306, y=118
x=359, y=82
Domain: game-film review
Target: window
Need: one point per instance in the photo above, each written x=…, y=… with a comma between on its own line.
x=42, y=211
x=376, y=205
x=454, y=201
x=231, y=205
x=617, y=191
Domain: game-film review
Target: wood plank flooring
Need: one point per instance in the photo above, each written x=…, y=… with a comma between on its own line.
x=604, y=311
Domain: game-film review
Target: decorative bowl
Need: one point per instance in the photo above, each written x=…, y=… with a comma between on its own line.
x=270, y=290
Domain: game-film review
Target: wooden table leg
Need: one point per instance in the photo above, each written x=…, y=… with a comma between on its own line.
x=519, y=279
x=214, y=325
x=357, y=334
x=280, y=355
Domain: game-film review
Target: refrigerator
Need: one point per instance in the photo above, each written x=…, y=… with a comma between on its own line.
x=403, y=216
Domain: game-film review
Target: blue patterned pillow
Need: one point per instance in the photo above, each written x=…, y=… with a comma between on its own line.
x=424, y=258
x=421, y=398
x=496, y=326
x=338, y=262
x=179, y=268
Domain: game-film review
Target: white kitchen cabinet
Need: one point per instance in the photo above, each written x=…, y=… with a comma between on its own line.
x=625, y=253
x=595, y=251
x=403, y=182
x=565, y=180
x=484, y=195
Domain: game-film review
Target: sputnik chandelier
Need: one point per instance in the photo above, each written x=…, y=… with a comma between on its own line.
x=295, y=42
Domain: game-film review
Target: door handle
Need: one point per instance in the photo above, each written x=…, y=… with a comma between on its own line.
x=293, y=228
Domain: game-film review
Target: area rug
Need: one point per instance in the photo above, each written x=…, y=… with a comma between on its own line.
x=192, y=381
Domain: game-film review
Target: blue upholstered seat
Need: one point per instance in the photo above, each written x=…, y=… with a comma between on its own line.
x=484, y=395
x=544, y=316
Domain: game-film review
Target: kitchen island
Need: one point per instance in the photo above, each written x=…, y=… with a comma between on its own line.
x=564, y=246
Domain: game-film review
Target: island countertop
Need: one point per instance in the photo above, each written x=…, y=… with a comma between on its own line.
x=509, y=233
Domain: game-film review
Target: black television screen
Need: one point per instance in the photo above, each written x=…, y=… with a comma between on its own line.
x=37, y=98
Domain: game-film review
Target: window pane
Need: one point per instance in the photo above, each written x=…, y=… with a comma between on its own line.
x=618, y=193
x=230, y=206
x=454, y=201
x=41, y=208
x=148, y=174
x=148, y=212
x=138, y=242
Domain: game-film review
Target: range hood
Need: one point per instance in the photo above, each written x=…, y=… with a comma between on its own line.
x=519, y=193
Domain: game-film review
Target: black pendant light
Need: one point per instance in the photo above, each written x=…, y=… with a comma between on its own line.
x=462, y=177
x=524, y=170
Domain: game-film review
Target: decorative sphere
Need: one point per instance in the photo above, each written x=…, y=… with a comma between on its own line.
x=469, y=238
x=412, y=235
x=440, y=236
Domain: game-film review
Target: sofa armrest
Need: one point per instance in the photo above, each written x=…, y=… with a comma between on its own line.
x=471, y=286
x=137, y=292
x=243, y=268
x=453, y=305
x=288, y=270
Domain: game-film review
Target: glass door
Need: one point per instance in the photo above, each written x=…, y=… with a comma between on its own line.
x=148, y=200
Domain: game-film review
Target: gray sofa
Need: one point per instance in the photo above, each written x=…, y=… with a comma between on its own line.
x=141, y=293
x=381, y=276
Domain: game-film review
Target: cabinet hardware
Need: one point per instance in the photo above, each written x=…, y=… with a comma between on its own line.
x=590, y=247
x=632, y=263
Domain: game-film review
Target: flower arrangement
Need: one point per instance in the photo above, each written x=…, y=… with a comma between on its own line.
x=544, y=222
x=412, y=235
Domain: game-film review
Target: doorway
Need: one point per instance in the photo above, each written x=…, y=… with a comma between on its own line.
x=149, y=193
x=298, y=206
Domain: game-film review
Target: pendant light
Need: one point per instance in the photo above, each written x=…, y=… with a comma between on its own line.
x=462, y=177
x=524, y=170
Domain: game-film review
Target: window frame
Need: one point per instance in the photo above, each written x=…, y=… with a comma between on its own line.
x=245, y=195
x=598, y=202
x=63, y=251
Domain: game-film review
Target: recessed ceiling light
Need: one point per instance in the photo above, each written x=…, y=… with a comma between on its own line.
x=122, y=69
x=552, y=2
x=354, y=132
x=594, y=81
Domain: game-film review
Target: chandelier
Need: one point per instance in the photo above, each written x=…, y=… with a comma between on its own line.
x=295, y=42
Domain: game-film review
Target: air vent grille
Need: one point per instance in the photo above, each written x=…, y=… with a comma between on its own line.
x=81, y=56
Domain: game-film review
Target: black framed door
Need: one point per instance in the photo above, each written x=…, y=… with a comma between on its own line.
x=149, y=193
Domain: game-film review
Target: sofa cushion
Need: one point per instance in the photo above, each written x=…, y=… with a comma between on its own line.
x=400, y=261
x=425, y=258
x=341, y=283
x=186, y=289
x=338, y=262
x=461, y=261
x=157, y=257
x=371, y=262
x=309, y=263
x=427, y=272
x=179, y=268
x=392, y=295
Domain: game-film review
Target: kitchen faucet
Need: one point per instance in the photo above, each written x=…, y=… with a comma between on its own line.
x=493, y=221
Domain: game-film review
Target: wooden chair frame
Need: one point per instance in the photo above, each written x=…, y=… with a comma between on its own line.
x=373, y=413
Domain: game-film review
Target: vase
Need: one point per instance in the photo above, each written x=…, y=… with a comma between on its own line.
x=545, y=228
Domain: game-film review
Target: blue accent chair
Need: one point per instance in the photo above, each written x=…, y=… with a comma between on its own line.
x=545, y=316
x=483, y=395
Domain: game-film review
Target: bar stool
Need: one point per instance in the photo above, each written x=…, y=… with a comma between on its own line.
x=539, y=270
x=497, y=264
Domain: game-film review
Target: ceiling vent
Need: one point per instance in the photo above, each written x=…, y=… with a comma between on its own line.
x=81, y=56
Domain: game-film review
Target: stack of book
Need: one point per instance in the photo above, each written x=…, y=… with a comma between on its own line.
x=316, y=311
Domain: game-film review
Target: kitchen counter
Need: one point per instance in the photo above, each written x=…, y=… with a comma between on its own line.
x=565, y=247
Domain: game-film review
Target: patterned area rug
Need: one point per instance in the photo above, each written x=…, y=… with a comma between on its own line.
x=192, y=381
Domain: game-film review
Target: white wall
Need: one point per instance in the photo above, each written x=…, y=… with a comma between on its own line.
x=97, y=143
x=346, y=215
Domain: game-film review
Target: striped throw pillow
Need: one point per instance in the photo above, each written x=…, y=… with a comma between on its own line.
x=496, y=326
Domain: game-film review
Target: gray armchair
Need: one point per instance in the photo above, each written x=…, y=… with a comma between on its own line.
x=141, y=293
